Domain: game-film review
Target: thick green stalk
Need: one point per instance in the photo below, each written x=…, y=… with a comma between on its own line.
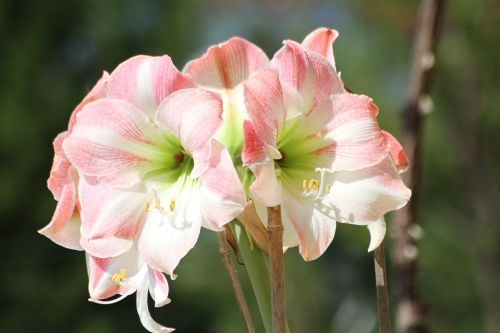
x=256, y=264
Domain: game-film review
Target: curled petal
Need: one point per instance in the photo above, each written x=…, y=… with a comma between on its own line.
x=192, y=115
x=97, y=92
x=321, y=41
x=145, y=81
x=142, y=309
x=226, y=65
x=115, y=141
x=158, y=287
x=59, y=173
x=222, y=196
x=364, y=196
x=358, y=141
x=397, y=152
x=265, y=106
x=377, y=231
x=64, y=228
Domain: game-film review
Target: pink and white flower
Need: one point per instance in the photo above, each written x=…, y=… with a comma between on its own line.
x=124, y=275
x=317, y=150
x=150, y=169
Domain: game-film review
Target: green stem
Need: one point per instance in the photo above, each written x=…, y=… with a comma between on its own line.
x=256, y=264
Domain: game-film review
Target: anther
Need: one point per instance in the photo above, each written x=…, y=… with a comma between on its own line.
x=328, y=187
x=172, y=205
x=119, y=277
x=313, y=184
x=304, y=184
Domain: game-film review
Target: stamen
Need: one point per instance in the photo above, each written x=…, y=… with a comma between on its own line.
x=119, y=277
x=304, y=184
x=146, y=207
x=317, y=188
x=313, y=184
x=172, y=205
x=328, y=186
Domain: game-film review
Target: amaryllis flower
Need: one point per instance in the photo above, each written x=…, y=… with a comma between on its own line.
x=150, y=169
x=64, y=228
x=223, y=69
x=317, y=150
x=124, y=275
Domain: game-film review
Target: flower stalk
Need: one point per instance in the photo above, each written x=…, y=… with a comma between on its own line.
x=225, y=253
x=275, y=233
x=382, y=290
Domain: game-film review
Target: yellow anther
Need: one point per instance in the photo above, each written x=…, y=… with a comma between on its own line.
x=328, y=187
x=313, y=184
x=146, y=207
x=119, y=277
x=304, y=184
x=172, y=205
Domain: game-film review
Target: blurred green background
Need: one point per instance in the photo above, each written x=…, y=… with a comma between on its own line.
x=51, y=53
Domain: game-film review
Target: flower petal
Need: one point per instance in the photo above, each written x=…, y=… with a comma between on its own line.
x=364, y=196
x=226, y=65
x=97, y=92
x=254, y=149
x=221, y=193
x=145, y=81
x=265, y=106
x=60, y=167
x=169, y=234
x=266, y=188
x=358, y=140
x=308, y=73
x=64, y=228
x=315, y=229
x=110, y=217
x=115, y=141
x=397, y=152
x=158, y=287
x=192, y=115
x=377, y=233
x=101, y=272
x=143, y=311
x=321, y=41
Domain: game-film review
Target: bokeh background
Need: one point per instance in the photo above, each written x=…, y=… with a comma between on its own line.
x=51, y=53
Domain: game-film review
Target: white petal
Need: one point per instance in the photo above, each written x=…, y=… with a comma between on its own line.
x=377, y=233
x=143, y=311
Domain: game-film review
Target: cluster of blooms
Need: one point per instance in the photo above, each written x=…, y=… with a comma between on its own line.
x=152, y=154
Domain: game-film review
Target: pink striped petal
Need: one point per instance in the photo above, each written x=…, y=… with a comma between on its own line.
x=265, y=106
x=315, y=229
x=254, y=149
x=358, y=140
x=222, y=195
x=64, y=228
x=266, y=187
x=110, y=217
x=192, y=115
x=97, y=92
x=102, y=270
x=321, y=41
x=145, y=81
x=158, y=287
x=397, y=152
x=113, y=140
x=364, y=196
x=308, y=73
x=226, y=65
x=60, y=167
x=168, y=235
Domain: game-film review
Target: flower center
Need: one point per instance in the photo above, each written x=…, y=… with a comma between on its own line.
x=119, y=277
